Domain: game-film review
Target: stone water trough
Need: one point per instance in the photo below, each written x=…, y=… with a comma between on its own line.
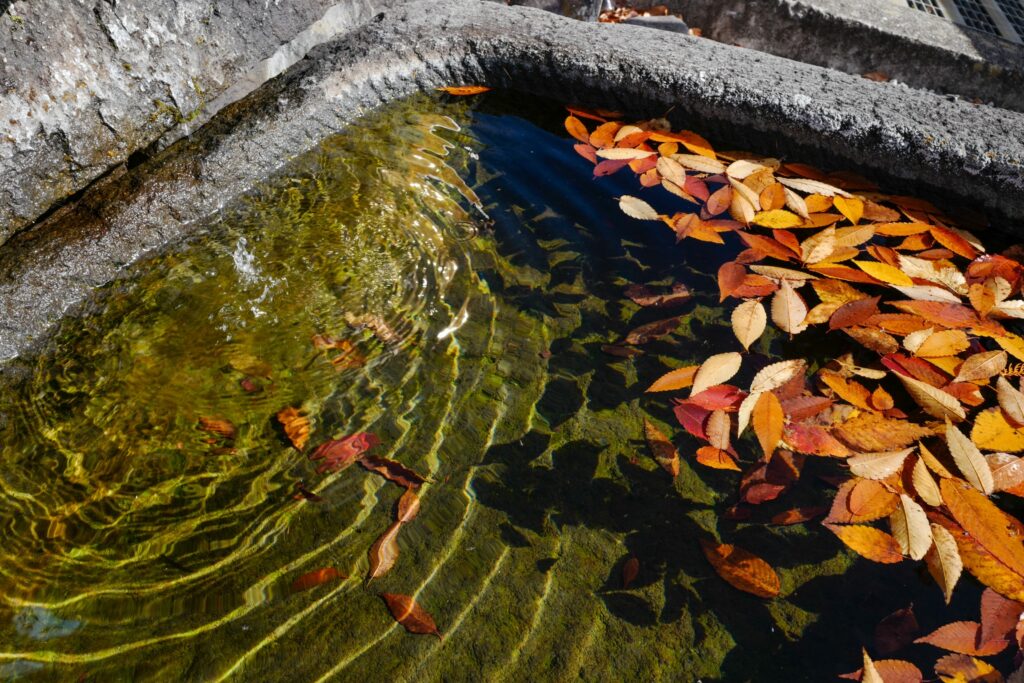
x=123, y=125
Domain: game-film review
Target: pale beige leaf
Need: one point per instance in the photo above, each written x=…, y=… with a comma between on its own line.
x=912, y=342
x=944, y=561
x=869, y=674
x=637, y=208
x=748, y=322
x=796, y=203
x=788, y=309
x=935, y=402
x=813, y=187
x=672, y=170
x=739, y=188
x=982, y=366
x=924, y=484
x=909, y=525
x=819, y=246
x=1011, y=401
x=928, y=293
x=969, y=460
x=623, y=153
x=700, y=163
x=775, y=375
x=777, y=274
x=745, y=411
x=718, y=426
x=945, y=275
x=741, y=209
x=854, y=235
x=1009, y=309
x=626, y=131
x=741, y=168
x=878, y=466
x=717, y=369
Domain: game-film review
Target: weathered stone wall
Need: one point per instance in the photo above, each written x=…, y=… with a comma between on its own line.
x=84, y=83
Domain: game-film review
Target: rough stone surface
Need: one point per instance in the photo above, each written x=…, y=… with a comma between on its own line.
x=862, y=36
x=669, y=23
x=742, y=98
x=84, y=83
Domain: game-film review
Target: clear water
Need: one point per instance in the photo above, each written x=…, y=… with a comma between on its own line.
x=476, y=269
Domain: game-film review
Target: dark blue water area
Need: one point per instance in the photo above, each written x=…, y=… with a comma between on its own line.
x=535, y=188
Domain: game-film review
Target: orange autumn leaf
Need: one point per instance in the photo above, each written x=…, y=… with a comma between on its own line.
x=576, y=129
x=798, y=515
x=962, y=637
x=862, y=500
x=315, y=578
x=868, y=542
x=872, y=433
x=464, y=90
x=768, y=420
x=992, y=432
x=296, y=426
x=890, y=671
x=716, y=458
x=742, y=569
x=680, y=378
x=409, y=614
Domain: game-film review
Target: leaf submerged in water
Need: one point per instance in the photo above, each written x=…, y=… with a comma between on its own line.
x=392, y=471
x=315, y=578
x=296, y=426
x=338, y=454
x=384, y=552
x=409, y=614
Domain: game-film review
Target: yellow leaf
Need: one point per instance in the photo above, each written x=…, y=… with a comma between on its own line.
x=935, y=402
x=943, y=343
x=869, y=542
x=851, y=207
x=869, y=674
x=696, y=144
x=992, y=432
x=463, y=90
x=779, y=219
x=924, y=484
x=885, y=273
x=1013, y=345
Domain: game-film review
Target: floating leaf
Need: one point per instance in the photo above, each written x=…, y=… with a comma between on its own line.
x=409, y=614
x=1011, y=401
x=868, y=542
x=910, y=528
x=999, y=616
x=888, y=671
x=943, y=343
x=851, y=207
x=962, y=637
x=935, y=402
x=384, y=552
x=464, y=90
x=789, y=309
x=878, y=466
x=969, y=460
x=392, y=471
x=992, y=432
x=637, y=208
x=630, y=570
x=869, y=673
x=768, y=420
x=315, y=578
x=798, y=515
x=773, y=376
x=873, y=433
x=628, y=154
x=717, y=369
x=576, y=129
x=896, y=631
x=742, y=569
x=662, y=449
x=944, y=561
x=748, y=322
x=982, y=366
x=716, y=458
x=777, y=219
x=338, y=454
x=679, y=378
x=296, y=426
x=813, y=187
x=958, y=668
x=885, y=273
x=855, y=312
x=924, y=484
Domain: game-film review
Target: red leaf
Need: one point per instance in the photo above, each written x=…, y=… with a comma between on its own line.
x=393, y=471
x=719, y=397
x=630, y=570
x=896, y=631
x=315, y=578
x=962, y=637
x=409, y=614
x=340, y=453
x=999, y=616
x=692, y=418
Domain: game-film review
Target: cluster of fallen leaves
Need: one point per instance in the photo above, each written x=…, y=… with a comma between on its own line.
x=919, y=414
x=335, y=455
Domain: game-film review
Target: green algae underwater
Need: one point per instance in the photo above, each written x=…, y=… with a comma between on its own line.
x=474, y=269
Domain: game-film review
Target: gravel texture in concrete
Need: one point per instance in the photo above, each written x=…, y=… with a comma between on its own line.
x=740, y=97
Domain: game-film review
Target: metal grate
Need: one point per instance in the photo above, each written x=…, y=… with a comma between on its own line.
x=929, y=6
x=1000, y=18
x=1014, y=11
x=975, y=16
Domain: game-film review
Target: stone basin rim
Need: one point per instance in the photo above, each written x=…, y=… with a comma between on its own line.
x=768, y=104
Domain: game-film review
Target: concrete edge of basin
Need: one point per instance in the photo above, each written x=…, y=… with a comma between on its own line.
x=765, y=103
